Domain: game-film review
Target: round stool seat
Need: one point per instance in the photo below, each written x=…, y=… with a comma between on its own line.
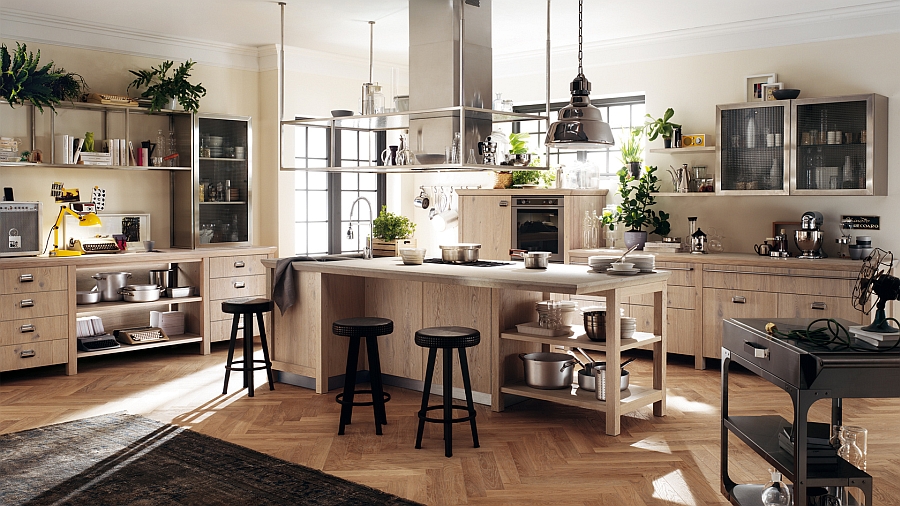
x=447, y=337
x=247, y=305
x=362, y=327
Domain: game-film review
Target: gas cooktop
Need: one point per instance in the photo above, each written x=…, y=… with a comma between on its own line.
x=479, y=263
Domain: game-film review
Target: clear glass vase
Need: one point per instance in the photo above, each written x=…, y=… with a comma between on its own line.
x=853, y=445
x=776, y=492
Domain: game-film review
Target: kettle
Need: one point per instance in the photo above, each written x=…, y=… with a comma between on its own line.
x=680, y=178
x=763, y=249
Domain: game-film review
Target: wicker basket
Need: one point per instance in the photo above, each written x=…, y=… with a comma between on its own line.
x=502, y=180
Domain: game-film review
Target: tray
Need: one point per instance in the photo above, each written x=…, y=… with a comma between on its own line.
x=532, y=328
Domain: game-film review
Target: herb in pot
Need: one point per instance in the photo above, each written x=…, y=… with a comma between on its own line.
x=161, y=87
x=389, y=226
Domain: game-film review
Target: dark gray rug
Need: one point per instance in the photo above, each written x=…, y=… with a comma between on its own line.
x=127, y=459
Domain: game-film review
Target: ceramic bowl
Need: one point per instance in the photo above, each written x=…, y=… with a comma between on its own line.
x=429, y=158
x=622, y=266
x=337, y=113
x=786, y=94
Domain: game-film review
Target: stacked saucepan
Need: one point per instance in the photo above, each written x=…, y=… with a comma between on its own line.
x=591, y=372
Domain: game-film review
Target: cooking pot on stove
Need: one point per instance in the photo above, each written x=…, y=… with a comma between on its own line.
x=533, y=259
x=462, y=253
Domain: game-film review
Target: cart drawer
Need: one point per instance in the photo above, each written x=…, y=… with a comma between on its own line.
x=23, y=356
x=33, y=330
x=238, y=286
x=33, y=279
x=20, y=306
x=240, y=265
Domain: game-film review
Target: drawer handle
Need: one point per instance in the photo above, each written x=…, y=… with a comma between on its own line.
x=757, y=350
x=28, y=327
x=26, y=303
x=239, y=284
x=819, y=306
x=504, y=203
x=238, y=264
x=739, y=299
x=26, y=278
x=676, y=268
x=779, y=274
x=27, y=353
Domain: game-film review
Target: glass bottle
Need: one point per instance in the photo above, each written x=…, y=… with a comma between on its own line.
x=172, y=149
x=750, y=140
x=595, y=230
x=160, y=150
x=776, y=492
x=498, y=103
x=586, y=230
x=455, y=148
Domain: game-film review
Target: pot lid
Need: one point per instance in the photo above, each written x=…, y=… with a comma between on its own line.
x=139, y=288
x=462, y=245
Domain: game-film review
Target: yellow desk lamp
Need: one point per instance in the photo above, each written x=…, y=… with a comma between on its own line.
x=84, y=220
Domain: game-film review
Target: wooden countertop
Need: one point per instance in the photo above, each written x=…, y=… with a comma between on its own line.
x=463, y=192
x=557, y=278
x=136, y=257
x=750, y=259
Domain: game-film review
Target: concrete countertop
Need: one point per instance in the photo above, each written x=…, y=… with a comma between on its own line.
x=750, y=259
x=557, y=278
x=134, y=257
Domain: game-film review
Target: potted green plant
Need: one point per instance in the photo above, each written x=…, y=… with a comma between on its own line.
x=636, y=210
x=632, y=150
x=391, y=232
x=21, y=80
x=164, y=91
x=661, y=127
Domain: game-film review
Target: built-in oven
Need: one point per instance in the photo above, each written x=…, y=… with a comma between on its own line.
x=537, y=225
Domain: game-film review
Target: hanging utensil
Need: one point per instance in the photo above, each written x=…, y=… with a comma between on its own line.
x=585, y=355
x=630, y=360
x=572, y=353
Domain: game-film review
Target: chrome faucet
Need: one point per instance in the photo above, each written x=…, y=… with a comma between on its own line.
x=368, y=251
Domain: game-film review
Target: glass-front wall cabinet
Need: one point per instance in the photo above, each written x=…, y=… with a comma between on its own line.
x=752, y=153
x=224, y=180
x=840, y=146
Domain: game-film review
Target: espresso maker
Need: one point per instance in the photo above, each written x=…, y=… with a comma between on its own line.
x=810, y=236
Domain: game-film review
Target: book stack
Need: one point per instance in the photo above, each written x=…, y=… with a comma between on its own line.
x=171, y=322
x=9, y=150
x=662, y=247
x=90, y=158
x=88, y=326
x=818, y=443
x=874, y=339
x=118, y=150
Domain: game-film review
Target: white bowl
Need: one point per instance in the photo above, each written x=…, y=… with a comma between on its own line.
x=412, y=256
x=622, y=266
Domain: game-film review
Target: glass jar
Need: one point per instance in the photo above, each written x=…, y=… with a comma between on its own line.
x=776, y=492
x=854, y=442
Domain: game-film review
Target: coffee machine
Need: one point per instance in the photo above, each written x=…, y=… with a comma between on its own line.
x=809, y=238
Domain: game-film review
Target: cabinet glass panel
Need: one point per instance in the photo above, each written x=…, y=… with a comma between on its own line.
x=831, y=146
x=224, y=181
x=752, y=156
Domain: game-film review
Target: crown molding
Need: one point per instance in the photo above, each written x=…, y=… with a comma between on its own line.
x=310, y=61
x=832, y=24
x=44, y=29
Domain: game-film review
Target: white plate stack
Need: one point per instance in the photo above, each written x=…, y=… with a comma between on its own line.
x=643, y=261
x=554, y=313
x=628, y=326
x=602, y=262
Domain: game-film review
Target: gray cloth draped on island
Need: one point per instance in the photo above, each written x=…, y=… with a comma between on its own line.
x=283, y=292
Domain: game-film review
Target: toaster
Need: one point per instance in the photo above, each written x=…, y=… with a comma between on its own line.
x=20, y=228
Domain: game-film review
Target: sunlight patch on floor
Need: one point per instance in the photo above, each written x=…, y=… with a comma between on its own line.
x=654, y=445
x=673, y=489
x=687, y=406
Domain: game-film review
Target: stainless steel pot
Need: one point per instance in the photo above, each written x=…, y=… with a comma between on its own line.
x=109, y=283
x=462, y=253
x=533, y=259
x=600, y=381
x=163, y=278
x=548, y=371
x=140, y=293
x=87, y=297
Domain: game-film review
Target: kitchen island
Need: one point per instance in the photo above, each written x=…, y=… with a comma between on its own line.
x=490, y=299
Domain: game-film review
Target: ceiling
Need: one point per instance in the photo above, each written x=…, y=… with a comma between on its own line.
x=340, y=26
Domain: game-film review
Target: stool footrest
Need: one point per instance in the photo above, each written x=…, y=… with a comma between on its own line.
x=340, y=398
x=422, y=415
x=265, y=365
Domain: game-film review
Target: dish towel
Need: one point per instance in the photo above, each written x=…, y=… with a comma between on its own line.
x=283, y=292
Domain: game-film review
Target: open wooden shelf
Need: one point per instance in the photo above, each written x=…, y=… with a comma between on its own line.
x=125, y=348
x=102, y=307
x=685, y=151
x=633, y=397
x=580, y=339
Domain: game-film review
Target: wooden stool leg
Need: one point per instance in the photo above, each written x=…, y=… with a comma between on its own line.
x=467, y=383
x=426, y=392
x=248, y=354
x=448, y=401
x=234, y=329
x=375, y=381
x=349, y=384
x=265, y=350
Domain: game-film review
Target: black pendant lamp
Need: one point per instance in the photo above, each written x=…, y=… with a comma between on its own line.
x=580, y=125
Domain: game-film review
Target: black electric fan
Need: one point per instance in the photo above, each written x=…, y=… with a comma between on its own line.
x=874, y=278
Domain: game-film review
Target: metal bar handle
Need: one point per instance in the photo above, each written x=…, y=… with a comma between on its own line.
x=239, y=284
x=757, y=350
x=504, y=203
x=676, y=268
x=27, y=353
x=28, y=327
x=725, y=271
x=739, y=299
x=818, y=306
x=26, y=303
x=26, y=278
x=238, y=264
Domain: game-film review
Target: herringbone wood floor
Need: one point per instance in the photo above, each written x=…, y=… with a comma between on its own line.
x=533, y=453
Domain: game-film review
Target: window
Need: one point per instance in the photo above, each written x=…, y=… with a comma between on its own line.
x=323, y=199
x=622, y=114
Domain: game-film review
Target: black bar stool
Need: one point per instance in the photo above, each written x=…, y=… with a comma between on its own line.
x=447, y=338
x=356, y=328
x=248, y=307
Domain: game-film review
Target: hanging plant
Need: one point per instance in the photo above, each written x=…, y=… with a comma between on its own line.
x=161, y=87
x=21, y=80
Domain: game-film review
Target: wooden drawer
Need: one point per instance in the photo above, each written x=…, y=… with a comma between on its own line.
x=216, y=313
x=33, y=330
x=780, y=280
x=36, y=279
x=682, y=274
x=818, y=306
x=23, y=356
x=238, y=286
x=719, y=305
x=682, y=327
x=238, y=265
x=33, y=305
x=682, y=297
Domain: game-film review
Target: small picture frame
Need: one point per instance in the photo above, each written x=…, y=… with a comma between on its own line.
x=754, y=86
x=768, y=88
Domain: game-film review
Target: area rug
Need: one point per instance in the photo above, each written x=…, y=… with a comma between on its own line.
x=128, y=459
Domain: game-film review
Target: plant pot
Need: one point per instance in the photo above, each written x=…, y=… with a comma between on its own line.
x=172, y=104
x=667, y=142
x=634, y=168
x=633, y=237
x=382, y=248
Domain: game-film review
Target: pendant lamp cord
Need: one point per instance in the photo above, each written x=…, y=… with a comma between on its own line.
x=579, y=37
x=371, y=39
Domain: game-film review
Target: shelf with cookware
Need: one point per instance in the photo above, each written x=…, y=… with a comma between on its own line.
x=811, y=146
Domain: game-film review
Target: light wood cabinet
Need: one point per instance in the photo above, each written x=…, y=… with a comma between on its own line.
x=232, y=277
x=487, y=220
x=817, y=306
x=34, y=308
x=721, y=304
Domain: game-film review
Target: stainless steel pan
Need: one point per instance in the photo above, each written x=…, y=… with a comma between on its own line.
x=462, y=253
